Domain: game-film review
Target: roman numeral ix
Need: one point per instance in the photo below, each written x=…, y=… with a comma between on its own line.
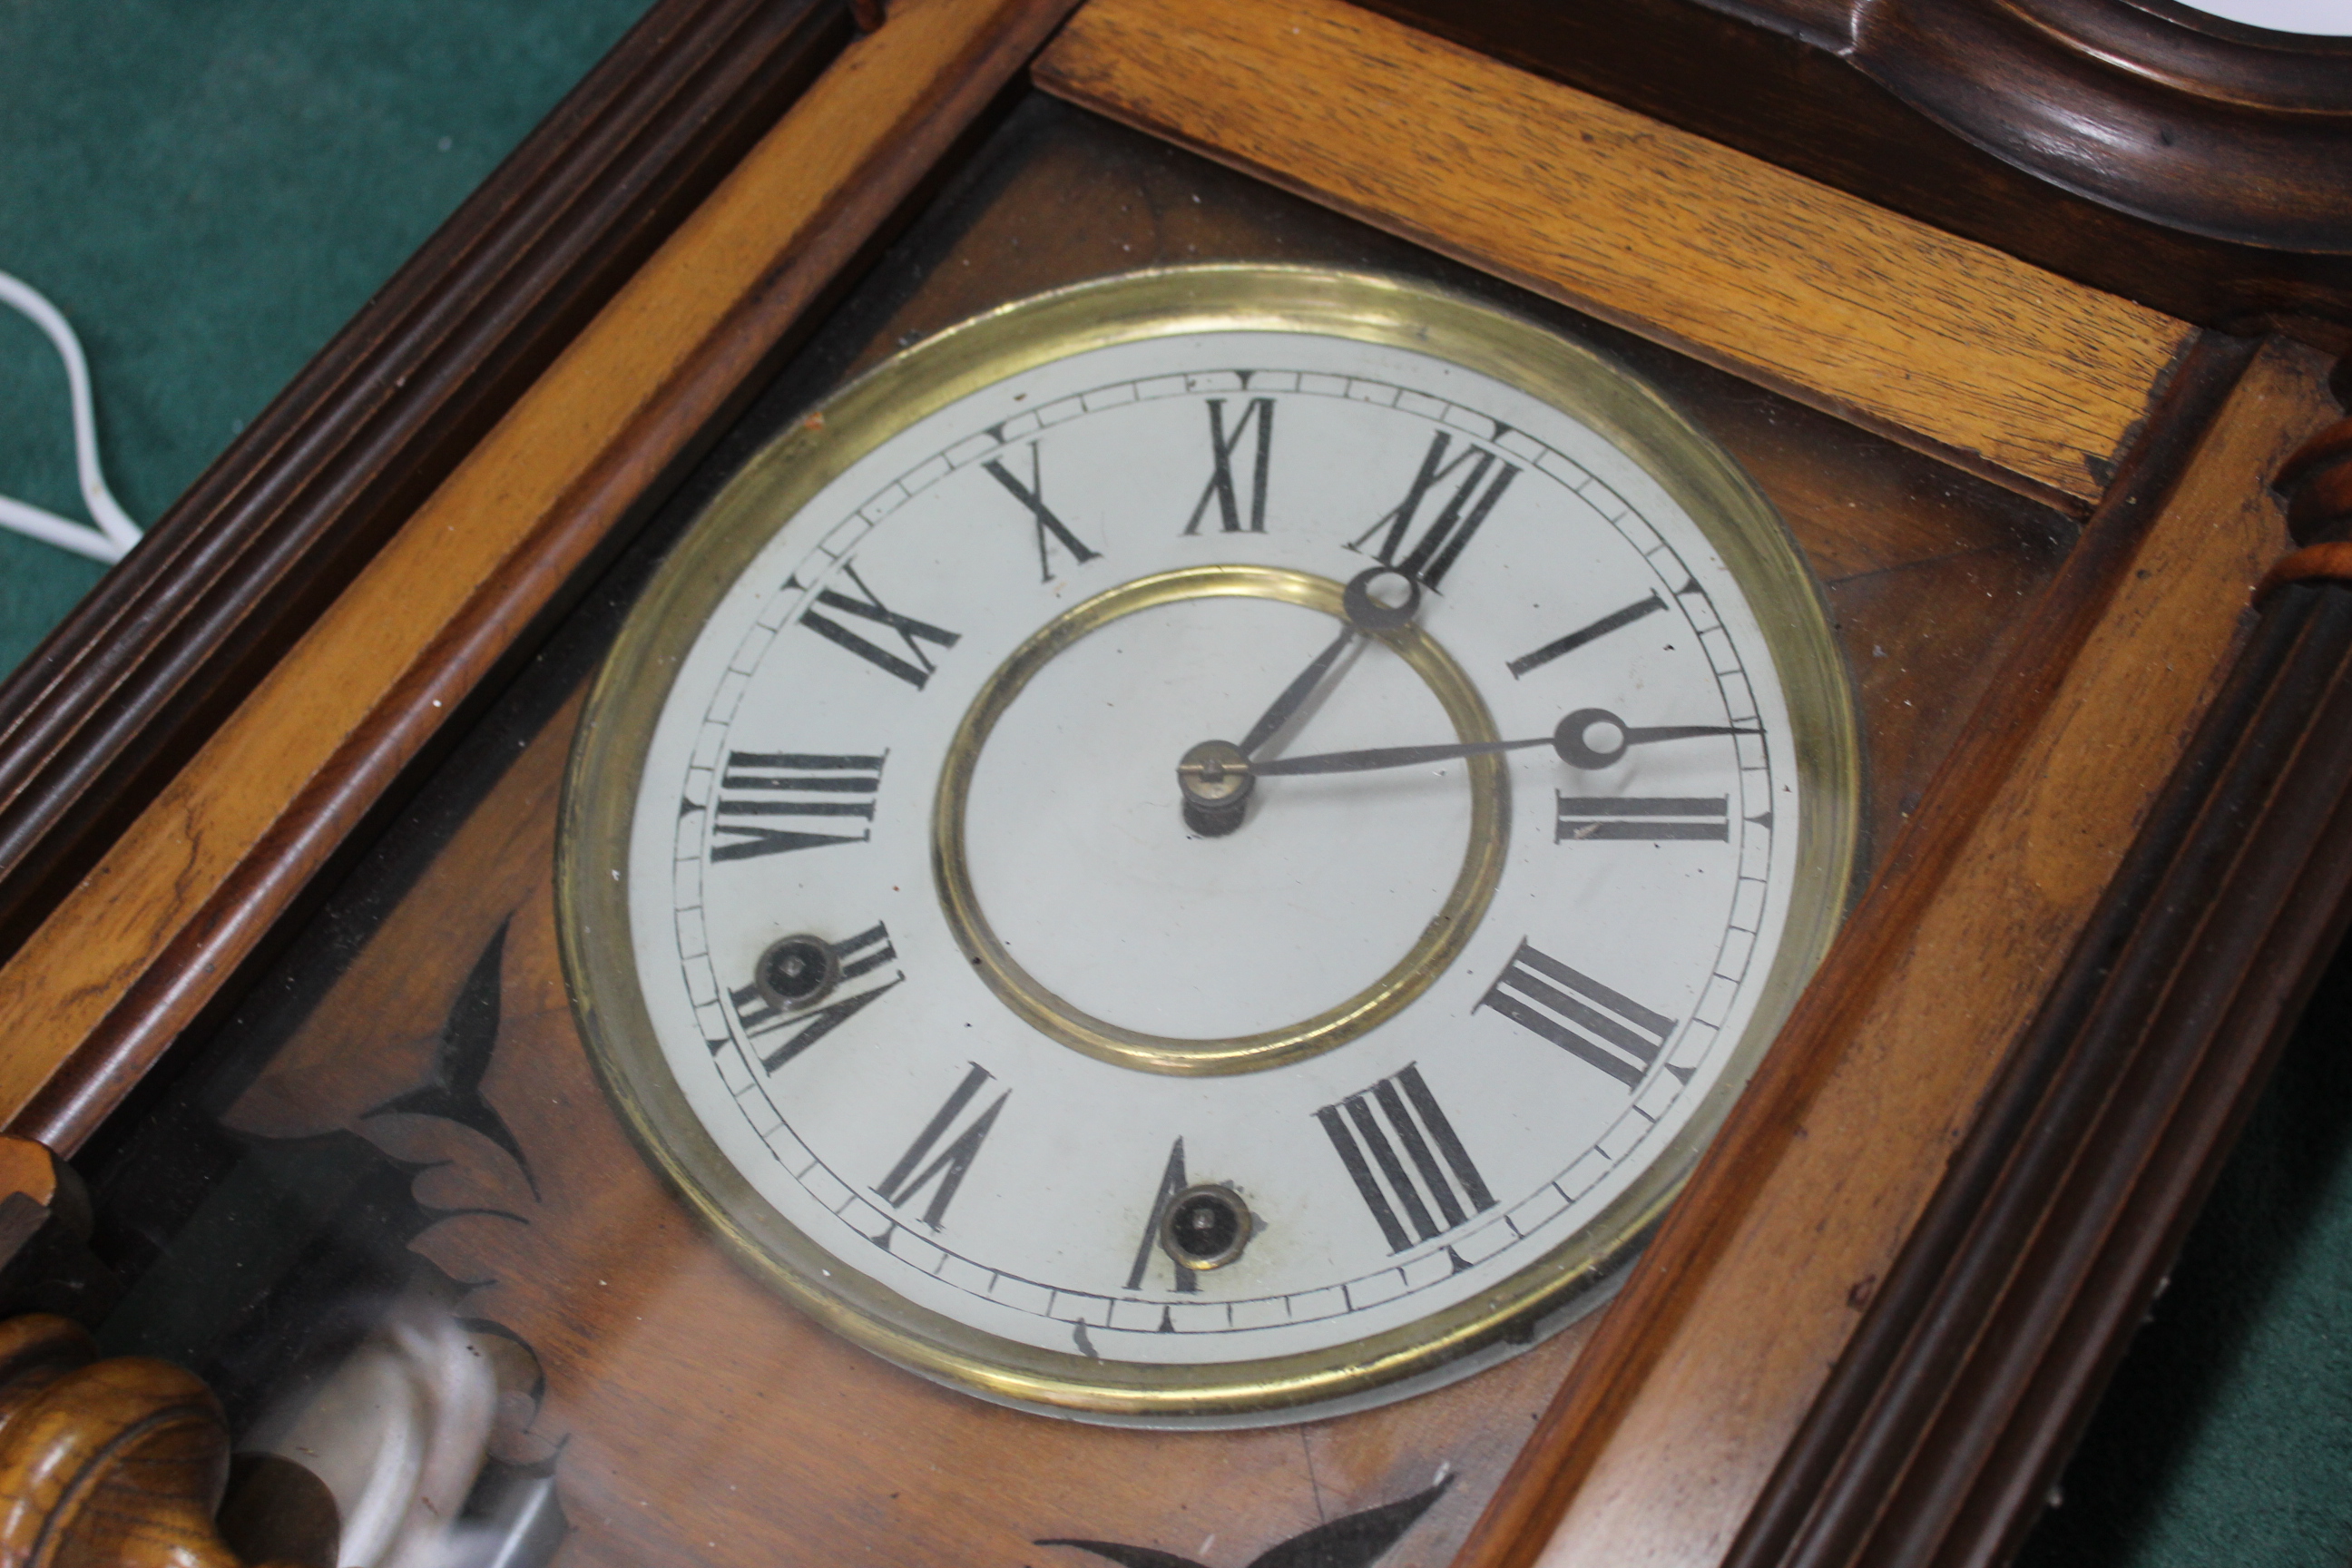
x=779, y=1035
x=756, y=786
x=1579, y=1015
x=1655, y=819
x=916, y=668
x=1408, y=1165
x=910, y=1175
x=1434, y=551
x=1223, y=444
x=1033, y=496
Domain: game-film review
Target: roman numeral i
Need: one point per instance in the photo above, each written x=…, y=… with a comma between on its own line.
x=1408, y=1165
x=1427, y=556
x=1579, y=1015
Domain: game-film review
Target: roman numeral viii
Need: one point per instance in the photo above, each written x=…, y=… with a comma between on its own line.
x=779, y=1031
x=1652, y=817
x=915, y=668
x=1579, y=1015
x=757, y=787
x=910, y=1175
x=1223, y=444
x=1427, y=554
x=1408, y=1166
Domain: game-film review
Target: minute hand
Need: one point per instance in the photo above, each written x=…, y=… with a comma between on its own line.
x=1572, y=740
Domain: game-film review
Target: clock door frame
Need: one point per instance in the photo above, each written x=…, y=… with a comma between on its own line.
x=1689, y=1417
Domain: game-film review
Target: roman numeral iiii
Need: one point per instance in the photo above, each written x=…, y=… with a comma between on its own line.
x=1408, y=1165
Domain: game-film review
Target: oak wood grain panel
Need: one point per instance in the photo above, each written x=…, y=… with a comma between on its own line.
x=118, y=697
x=1669, y=1434
x=2006, y=369
x=127, y=958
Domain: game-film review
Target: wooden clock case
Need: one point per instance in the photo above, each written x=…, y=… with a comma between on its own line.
x=274, y=857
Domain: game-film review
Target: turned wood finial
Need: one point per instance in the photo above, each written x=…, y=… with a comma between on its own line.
x=105, y=1464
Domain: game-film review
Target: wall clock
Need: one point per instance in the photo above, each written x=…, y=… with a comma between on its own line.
x=2031, y=510
x=954, y=975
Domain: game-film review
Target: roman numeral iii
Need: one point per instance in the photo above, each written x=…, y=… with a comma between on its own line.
x=916, y=668
x=1427, y=554
x=756, y=787
x=780, y=1030
x=1655, y=819
x=1579, y=1015
x=1223, y=443
x=1408, y=1165
x=910, y=1175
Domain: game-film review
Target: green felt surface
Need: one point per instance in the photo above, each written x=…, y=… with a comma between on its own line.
x=208, y=188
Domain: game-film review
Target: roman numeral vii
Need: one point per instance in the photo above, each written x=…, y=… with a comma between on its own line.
x=910, y=1175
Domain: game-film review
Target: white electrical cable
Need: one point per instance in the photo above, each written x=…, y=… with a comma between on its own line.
x=115, y=533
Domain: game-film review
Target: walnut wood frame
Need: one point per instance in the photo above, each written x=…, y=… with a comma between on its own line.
x=2152, y=564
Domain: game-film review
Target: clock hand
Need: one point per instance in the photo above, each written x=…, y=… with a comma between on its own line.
x=1572, y=740
x=1214, y=775
x=1364, y=614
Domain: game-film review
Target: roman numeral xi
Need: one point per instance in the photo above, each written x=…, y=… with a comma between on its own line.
x=1579, y=1015
x=1408, y=1165
x=1223, y=444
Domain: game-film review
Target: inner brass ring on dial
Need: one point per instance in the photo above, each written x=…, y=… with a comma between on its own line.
x=1440, y=941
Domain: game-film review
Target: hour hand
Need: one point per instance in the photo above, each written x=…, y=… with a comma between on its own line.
x=1214, y=776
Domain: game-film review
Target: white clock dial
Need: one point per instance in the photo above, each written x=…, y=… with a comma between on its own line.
x=1378, y=1031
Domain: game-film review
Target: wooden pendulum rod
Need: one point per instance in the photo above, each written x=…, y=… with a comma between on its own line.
x=1966, y=1384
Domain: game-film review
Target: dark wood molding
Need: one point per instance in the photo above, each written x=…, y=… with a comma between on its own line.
x=2224, y=204
x=124, y=692
x=1966, y=1384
